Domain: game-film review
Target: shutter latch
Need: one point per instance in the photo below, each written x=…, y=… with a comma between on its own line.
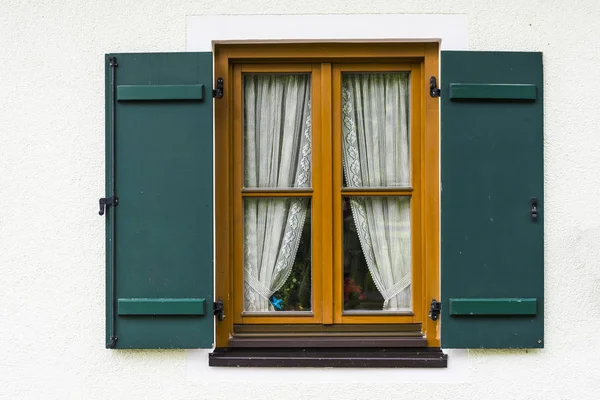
x=219, y=310
x=218, y=92
x=434, y=91
x=434, y=309
x=534, y=209
x=105, y=202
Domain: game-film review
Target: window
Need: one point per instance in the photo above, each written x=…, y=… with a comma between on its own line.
x=328, y=161
x=339, y=199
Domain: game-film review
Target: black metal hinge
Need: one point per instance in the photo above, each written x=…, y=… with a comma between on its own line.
x=219, y=309
x=112, y=343
x=434, y=91
x=106, y=202
x=218, y=92
x=435, y=309
x=113, y=62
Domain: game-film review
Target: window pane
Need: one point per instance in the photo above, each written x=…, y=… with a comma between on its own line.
x=377, y=253
x=277, y=130
x=277, y=254
x=376, y=137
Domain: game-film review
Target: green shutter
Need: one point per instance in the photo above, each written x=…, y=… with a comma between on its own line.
x=159, y=237
x=492, y=250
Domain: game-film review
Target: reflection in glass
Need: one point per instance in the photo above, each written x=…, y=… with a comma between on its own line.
x=277, y=130
x=277, y=254
x=376, y=139
x=377, y=253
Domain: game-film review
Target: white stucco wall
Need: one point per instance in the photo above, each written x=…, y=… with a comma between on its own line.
x=52, y=240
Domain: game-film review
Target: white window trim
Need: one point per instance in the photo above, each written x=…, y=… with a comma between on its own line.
x=203, y=32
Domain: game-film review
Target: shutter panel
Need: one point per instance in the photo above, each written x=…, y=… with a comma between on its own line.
x=492, y=250
x=159, y=236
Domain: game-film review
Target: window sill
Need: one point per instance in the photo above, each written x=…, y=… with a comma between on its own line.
x=329, y=357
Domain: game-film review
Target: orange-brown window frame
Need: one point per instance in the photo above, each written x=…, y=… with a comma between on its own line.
x=326, y=61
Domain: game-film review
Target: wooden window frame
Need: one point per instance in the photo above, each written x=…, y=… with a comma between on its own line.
x=325, y=57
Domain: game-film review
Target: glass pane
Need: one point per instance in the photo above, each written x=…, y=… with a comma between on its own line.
x=277, y=254
x=376, y=136
x=277, y=130
x=377, y=253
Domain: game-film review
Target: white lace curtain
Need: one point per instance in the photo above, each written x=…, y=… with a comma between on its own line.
x=376, y=153
x=277, y=154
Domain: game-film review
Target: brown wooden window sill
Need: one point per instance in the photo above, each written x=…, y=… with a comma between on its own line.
x=329, y=357
x=377, y=352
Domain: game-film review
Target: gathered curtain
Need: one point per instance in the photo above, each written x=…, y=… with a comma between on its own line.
x=376, y=153
x=277, y=154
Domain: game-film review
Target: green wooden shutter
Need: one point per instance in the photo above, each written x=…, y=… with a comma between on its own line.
x=159, y=237
x=492, y=249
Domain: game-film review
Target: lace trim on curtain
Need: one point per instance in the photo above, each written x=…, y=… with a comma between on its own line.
x=351, y=166
x=291, y=241
x=304, y=174
x=360, y=220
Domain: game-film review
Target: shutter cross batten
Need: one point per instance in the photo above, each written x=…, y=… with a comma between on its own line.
x=160, y=92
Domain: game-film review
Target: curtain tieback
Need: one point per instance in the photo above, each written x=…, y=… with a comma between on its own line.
x=393, y=291
x=257, y=286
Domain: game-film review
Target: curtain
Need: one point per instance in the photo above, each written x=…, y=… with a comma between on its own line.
x=376, y=153
x=277, y=154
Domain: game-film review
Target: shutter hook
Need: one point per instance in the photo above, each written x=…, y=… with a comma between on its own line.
x=434, y=91
x=218, y=92
x=434, y=309
x=105, y=202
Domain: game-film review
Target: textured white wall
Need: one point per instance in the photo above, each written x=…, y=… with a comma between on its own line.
x=52, y=240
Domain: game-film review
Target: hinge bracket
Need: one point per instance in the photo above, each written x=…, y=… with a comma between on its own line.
x=113, y=62
x=106, y=202
x=435, y=309
x=219, y=310
x=112, y=343
x=434, y=91
x=218, y=92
